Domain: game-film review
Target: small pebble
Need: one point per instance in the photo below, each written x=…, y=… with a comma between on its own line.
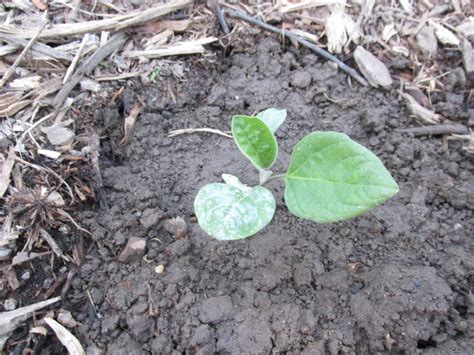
x=26, y=275
x=47, y=283
x=160, y=269
x=10, y=304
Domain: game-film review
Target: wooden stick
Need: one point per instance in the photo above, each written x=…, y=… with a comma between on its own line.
x=103, y=52
x=220, y=16
x=436, y=130
x=37, y=48
x=74, y=62
x=18, y=60
x=344, y=67
x=115, y=23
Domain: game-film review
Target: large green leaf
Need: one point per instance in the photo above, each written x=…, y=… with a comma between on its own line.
x=255, y=140
x=228, y=213
x=272, y=117
x=332, y=178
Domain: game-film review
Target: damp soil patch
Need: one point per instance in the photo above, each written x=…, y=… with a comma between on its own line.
x=396, y=279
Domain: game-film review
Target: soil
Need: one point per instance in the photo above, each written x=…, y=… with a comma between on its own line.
x=397, y=280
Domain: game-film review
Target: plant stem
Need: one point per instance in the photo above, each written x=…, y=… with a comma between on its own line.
x=275, y=177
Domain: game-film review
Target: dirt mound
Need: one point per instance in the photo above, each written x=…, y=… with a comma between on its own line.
x=398, y=278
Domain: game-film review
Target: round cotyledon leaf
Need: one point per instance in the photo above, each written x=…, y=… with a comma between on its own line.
x=255, y=140
x=332, y=178
x=272, y=117
x=228, y=213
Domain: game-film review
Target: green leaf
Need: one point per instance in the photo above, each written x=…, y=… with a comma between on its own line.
x=229, y=213
x=273, y=118
x=255, y=140
x=332, y=178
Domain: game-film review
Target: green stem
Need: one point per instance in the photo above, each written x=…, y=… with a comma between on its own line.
x=275, y=177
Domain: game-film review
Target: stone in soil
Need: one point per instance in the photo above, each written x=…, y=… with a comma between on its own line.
x=58, y=135
x=374, y=70
x=133, y=251
x=427, y=41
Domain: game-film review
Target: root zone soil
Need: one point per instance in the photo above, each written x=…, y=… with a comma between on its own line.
x=396, y=280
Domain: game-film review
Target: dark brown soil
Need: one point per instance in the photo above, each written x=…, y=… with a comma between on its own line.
x=397, y=280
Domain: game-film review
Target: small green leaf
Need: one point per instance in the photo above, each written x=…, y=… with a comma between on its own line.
x=228, y=213
x=332, y=178
x=255, y=140
x=273, y=118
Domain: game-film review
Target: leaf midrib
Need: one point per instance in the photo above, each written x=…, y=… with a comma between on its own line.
x=334, y=182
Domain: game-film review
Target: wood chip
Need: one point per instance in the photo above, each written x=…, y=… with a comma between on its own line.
x=9, y=321
x=190, y=47
x=444, y=35
x=115, y=23
x=406, y=5
x=175, y=26
x=306, y=35
x=26, y=83
x=420, y=112
x=40, y=5
x=8, y=231
x=71, y=343
x=308, y=4
x=336, y=30
x=12, y=280
x=468, y=58
x=49, y=153
x=14, y=108
x=426, y=40
x=39, y=330
x=158, y=40
x=467, y=28
x=129, y=122
x=372, y=68
x=6, y=166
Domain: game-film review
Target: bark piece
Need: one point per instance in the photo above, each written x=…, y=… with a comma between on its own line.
x=372, y=68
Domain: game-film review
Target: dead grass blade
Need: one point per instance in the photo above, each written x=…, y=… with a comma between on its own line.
x=114, y=24
x=65, y=337
x=194, y=130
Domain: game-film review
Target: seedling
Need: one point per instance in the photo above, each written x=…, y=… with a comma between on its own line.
x=330, y=178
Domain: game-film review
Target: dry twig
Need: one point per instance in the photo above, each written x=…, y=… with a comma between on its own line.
x=344, y=67
x=18, y=60
x=116, y=23
x=194, y=130
x=103, y=52
x=436, y=130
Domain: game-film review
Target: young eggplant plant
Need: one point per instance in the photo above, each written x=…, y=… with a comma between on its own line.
x=330, y=178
